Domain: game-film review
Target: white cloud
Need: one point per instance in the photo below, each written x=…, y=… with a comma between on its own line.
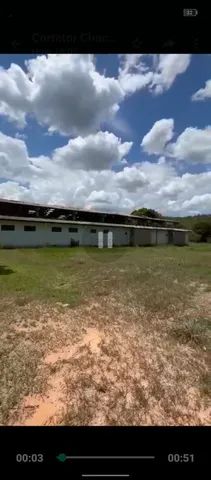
x=155, y=140
x=168, y=68
x=155, y=185
x=157, y=72
x=63, y=91
x=102, y=200
x=13, y=156
x=161, y=160
x=198, y=202
x=21, y=136
x=14, y=191
x=193, y=145
x=131, y=83
x=94, y=152
x=130, y=179
x=15, y=91
x=203, y=93
x=134, y=74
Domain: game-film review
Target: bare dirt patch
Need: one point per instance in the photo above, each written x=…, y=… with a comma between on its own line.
x=105, y=364
x=92, y=338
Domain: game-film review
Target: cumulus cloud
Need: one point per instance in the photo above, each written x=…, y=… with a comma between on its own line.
x=161, y=133
x=15, y=92
x=157, y=72
x=192, y=145
x=154, y=185
x=94, y=152
x=64, y=92
x=198, y=202
x=102, y=200
x=203, y=93
x=134, y=74
x=13, y=156
x=169, y=66
x=131, y=179
x=14, y=191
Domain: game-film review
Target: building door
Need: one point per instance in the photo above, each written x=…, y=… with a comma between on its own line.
x=100, y=239
x=110, y=240
x=105, y=237
x=132, y=237
x=170, y=237
x=74, y=236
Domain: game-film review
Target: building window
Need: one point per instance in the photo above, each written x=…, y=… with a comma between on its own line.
x=7, y=228
x=56, y=229
x=29, y=228
x=73, y=230
x=125, y=233
x=93, y=230
x=105, y=231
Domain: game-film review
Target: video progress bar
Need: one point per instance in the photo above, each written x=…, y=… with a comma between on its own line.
x=128, y=457
x=105, y=476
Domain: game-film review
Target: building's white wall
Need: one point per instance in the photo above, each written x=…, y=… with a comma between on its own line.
x=162, y=237
x=180, y=238
x=43, y=236
x=87, y=238
x=143, y=237
x=19, y=237
x=121, y=236
x=153, y=237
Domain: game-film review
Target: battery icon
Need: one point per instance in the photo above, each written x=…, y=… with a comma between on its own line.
x=190, y=12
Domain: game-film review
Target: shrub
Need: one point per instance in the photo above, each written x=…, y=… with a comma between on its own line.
x=194, y=237
x=147, y=212
x=203, y=229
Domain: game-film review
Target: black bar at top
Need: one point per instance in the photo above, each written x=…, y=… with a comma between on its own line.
x=146, y=28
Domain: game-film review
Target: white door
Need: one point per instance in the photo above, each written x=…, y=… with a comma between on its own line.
x=110, y=239
x=100, y=239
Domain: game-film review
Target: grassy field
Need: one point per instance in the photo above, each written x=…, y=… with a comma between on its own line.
x=105, y=337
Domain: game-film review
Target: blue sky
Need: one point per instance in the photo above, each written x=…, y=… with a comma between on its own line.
x=84, y=130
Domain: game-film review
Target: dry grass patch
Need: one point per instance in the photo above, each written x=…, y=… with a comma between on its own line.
x=115, y=338
x=104, y=368
x=193, y=330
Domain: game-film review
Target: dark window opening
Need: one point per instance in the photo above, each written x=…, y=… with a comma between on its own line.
x=125, y=233
x=93, y=230
x=105, y=231
x=29, y=228
x=56, y=229
x=6, y=228
x=73, y=230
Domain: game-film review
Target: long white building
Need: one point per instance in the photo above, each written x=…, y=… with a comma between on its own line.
x=33, y=225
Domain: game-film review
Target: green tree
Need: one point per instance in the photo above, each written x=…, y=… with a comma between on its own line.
x=146, y=212
x=203, y=229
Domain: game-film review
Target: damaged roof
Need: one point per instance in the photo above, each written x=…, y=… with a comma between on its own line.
x=13, y=208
